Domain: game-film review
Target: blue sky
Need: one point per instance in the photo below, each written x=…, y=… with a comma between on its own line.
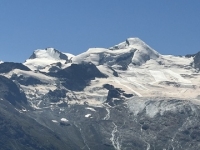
x=168, y=26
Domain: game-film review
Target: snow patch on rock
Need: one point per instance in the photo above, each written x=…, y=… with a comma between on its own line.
x=64, y=120
x=55, y=121
x=88, y=115
x=89, y=108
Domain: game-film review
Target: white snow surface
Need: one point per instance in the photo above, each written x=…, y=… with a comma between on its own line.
x=36, y=75
x=64, y=120
x=142, y=53
x=158, y=75
x=45, y=57
x=49, y=53
x=55, y=121
x=89, y=108
x=88, y=115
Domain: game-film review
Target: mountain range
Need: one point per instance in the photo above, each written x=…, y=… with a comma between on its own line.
x=126, y=97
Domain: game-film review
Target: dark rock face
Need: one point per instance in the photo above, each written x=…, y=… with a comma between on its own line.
x=55, y=67
x=171, y=129
x=114, y=72
x=122, y=60
x=114, y=96
x=56, y=95
x=33, y=56
x=197, y=61
x=20, y=132
x=26, y=80
x=189, y=55
x=125, y=60
x=87, y=133
x=78, y=76
x=8, y=66
x=120, y=127
x=168, y=83
x=10, y=91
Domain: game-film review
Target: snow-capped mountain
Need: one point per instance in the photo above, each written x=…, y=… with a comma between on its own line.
x=143, y=52
x=132, y=51
x=127, y=96
x=42, y=58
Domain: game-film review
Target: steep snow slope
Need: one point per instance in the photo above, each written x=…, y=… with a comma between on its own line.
x=42, y=58
x=133, y=50
x=70, y=56
x=49, y=53
x=143, y=52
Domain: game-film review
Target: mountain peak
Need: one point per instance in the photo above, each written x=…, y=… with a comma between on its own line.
x=135, y=40
x=132, y=42
x=48, y=53
x=143, y=52
x=45, y=57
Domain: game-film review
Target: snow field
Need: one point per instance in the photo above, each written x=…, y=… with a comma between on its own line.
x=128, y=87
x=133, y=81
x=158, y=75
x=178, y=77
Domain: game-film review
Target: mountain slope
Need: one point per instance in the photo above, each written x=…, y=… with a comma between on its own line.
x=9, y=66
x=9, y=91
x=18, y=131
x=21, y=132
x=124, y=97
x=42, y=58
x=132, y=51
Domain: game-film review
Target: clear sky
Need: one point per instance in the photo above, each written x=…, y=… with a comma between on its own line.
x=168, y=26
